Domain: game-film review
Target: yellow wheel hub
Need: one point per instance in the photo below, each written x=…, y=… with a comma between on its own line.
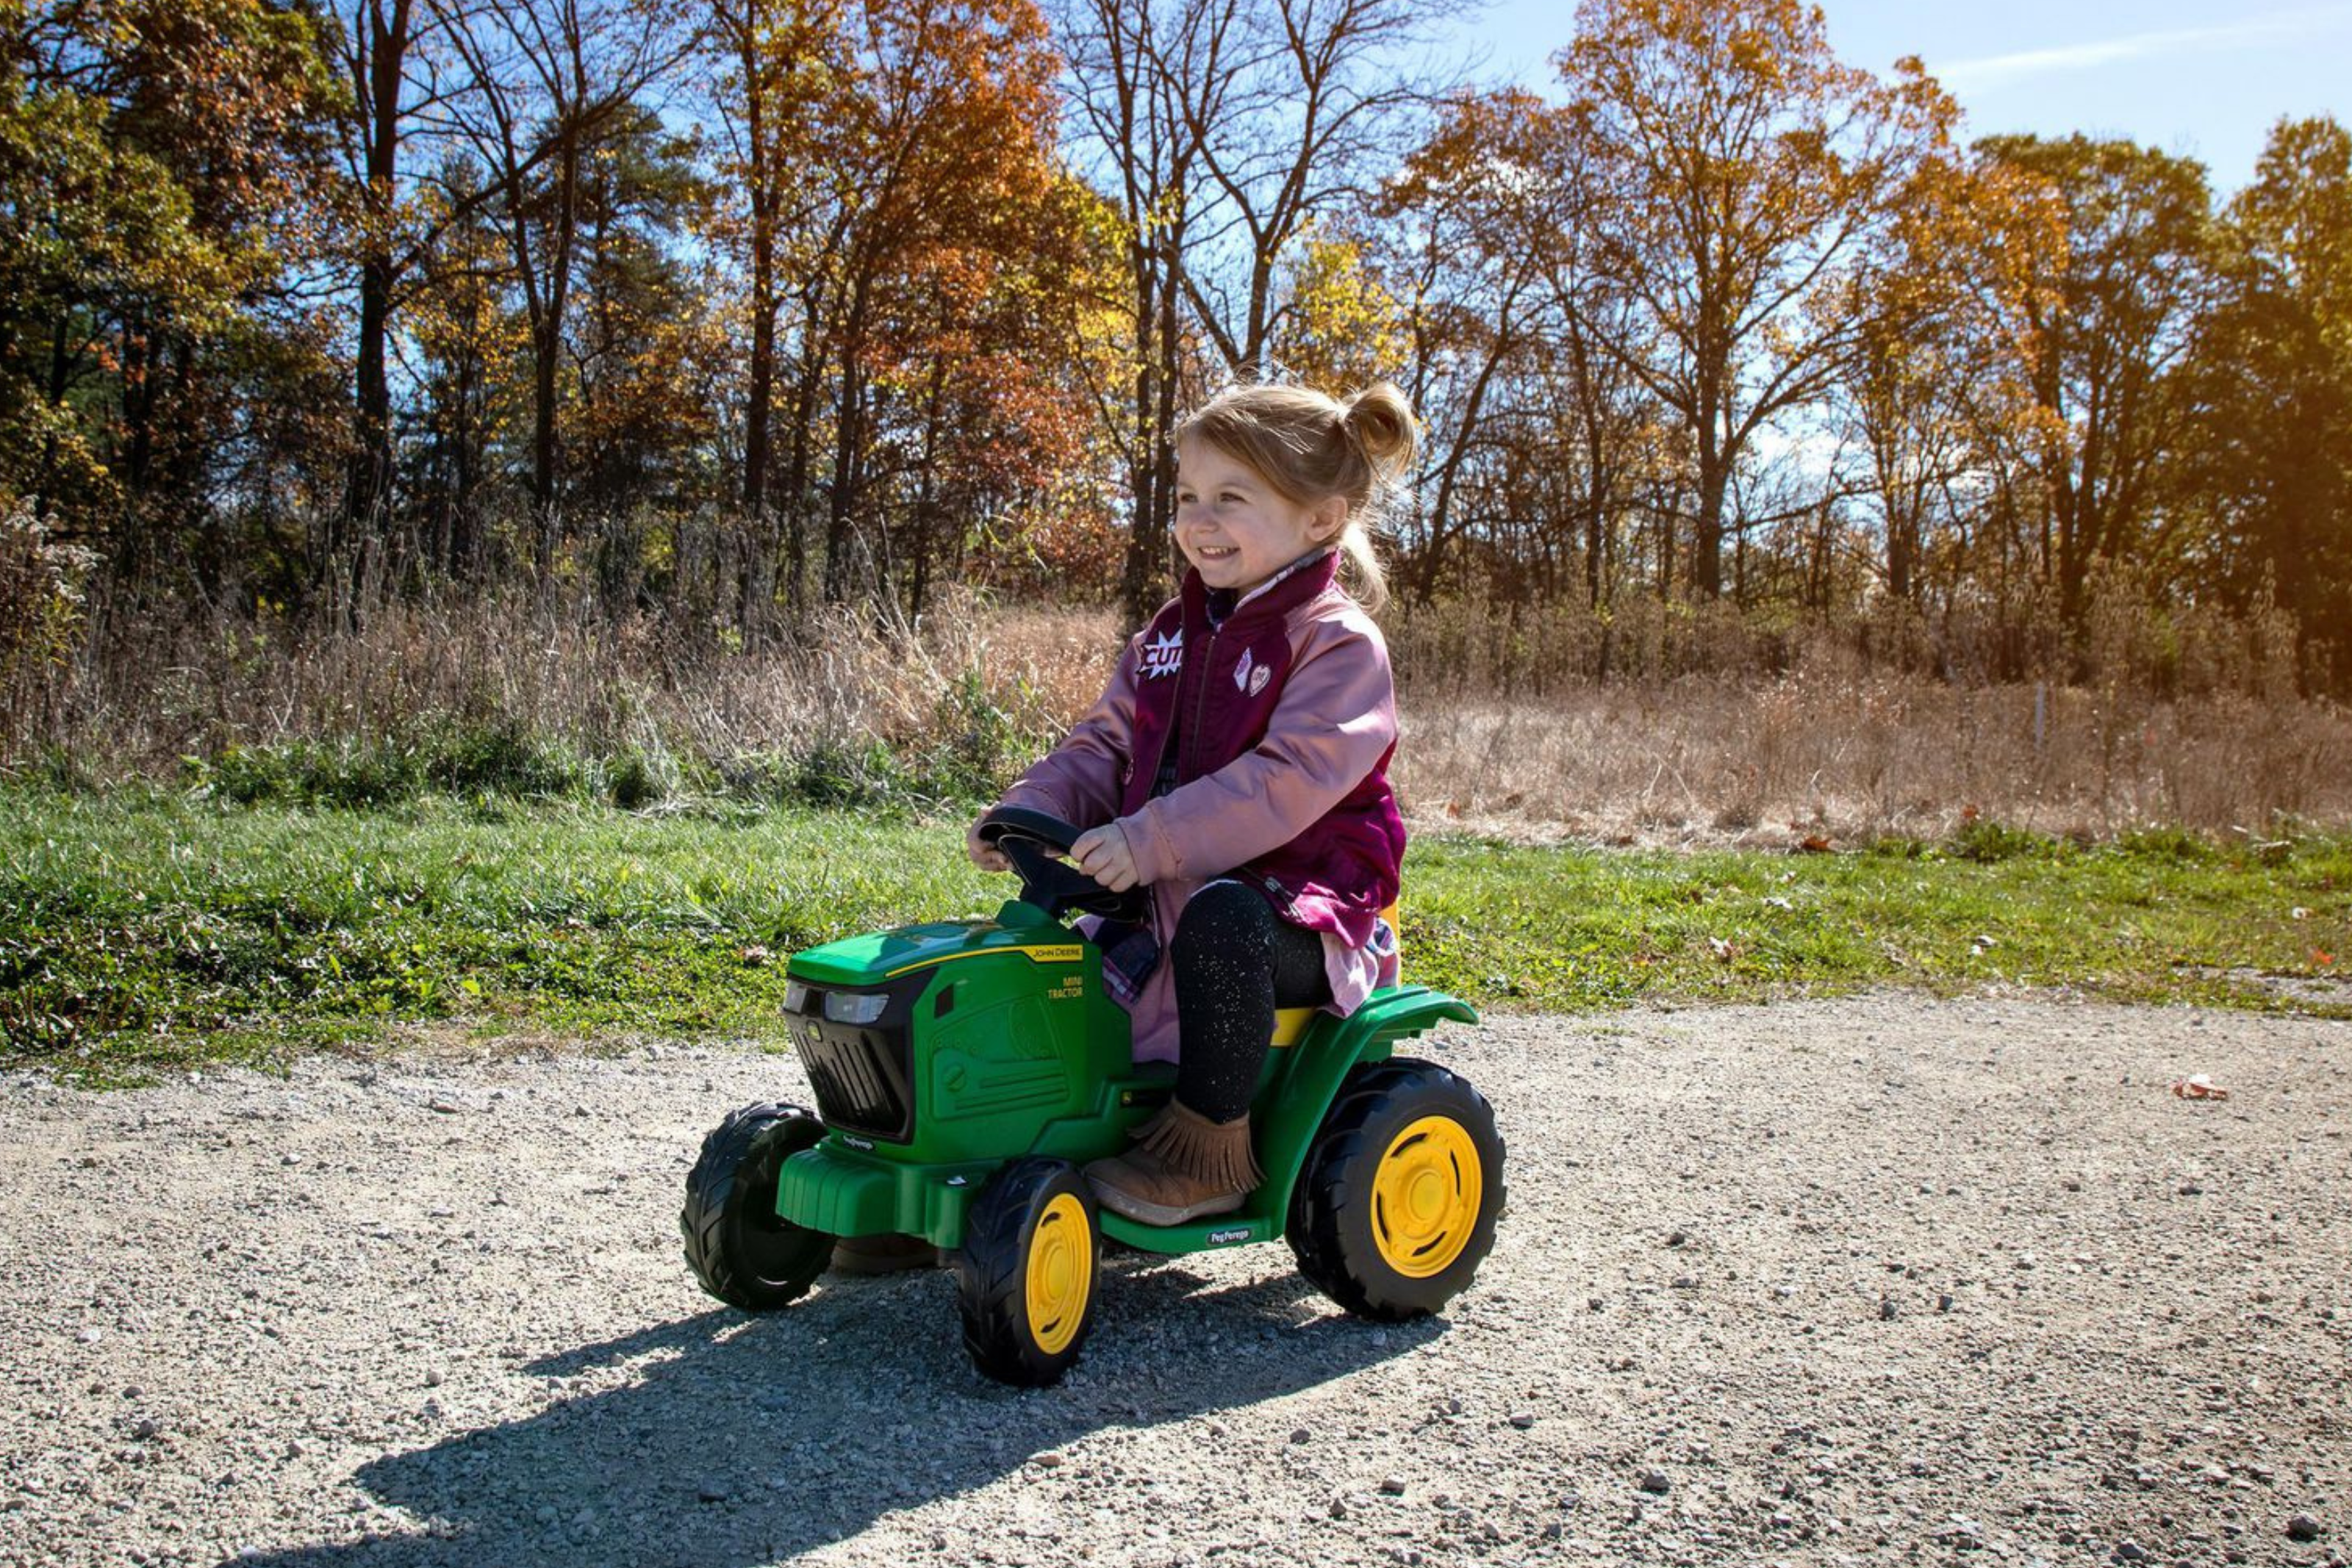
x=1425, y=1197
x=1061, y=1274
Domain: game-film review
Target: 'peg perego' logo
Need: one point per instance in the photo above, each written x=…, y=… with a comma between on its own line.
x=1221, y=1237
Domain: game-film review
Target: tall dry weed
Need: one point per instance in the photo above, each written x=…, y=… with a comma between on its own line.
x=1845, y=733
x=1848, y=759
x=138, y=697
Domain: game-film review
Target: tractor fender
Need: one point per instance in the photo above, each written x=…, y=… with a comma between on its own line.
x=1321, y=1062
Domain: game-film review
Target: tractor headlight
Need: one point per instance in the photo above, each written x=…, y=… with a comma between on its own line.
x=796, y=997
x=856, y=1007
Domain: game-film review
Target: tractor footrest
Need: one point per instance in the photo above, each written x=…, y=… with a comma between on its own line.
x=1194, y=1235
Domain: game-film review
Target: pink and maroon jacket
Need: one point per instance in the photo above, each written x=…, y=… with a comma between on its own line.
x=1283, y=719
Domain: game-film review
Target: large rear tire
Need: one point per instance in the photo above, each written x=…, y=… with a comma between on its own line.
x=737, y=1245
x=1028, y=1271
x=1397, y=1206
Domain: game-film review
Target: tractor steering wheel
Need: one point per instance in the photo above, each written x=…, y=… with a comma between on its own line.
x=1034, y=843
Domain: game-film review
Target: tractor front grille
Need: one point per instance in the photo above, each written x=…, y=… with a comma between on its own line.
x=860, y=1076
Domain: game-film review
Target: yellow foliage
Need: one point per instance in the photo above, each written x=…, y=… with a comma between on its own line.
x=1342, y=328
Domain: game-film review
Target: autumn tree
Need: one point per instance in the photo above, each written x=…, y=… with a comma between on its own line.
x=2271, y=453
x=546, y=87
x=1932, y=396
x=467, y=341
x=1741, y=171
x=636, y=422
x=784, y=67
x=1133, y=68
x=1539, y=437
x=2097, y=337
x=948, y=132
x=1307, y=108
x=1223, y=132
x=991, y=414
x=1461, y=260
x=394, y=91
x=1601, y=422
x=162, y=165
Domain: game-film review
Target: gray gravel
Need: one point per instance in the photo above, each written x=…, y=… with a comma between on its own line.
x=1866, y=1280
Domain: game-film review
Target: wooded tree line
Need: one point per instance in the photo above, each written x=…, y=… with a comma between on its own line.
x=727, y=310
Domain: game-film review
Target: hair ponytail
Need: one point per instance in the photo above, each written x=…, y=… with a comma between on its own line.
x=1379, y=421
x=1311, y=446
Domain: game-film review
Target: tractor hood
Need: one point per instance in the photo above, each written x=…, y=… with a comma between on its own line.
x=881, y=956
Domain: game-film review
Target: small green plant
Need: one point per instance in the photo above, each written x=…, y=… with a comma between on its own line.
x=979, y=747
x=839, y=773
x=2166, y=843
x=635, y=782
x=500, y=757
x=1988, y=842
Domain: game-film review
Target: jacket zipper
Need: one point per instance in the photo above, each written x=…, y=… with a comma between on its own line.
x=1189, y=744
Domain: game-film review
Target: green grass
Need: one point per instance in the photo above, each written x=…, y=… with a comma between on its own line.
x=141, y=929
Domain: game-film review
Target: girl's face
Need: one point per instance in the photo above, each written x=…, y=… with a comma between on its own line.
x=1236, y=529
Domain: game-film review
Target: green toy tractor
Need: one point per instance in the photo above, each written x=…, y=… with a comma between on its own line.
x=964, y=1071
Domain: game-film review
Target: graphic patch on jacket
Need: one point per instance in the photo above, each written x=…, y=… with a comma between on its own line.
x=1163, y=656
x=1250, y=676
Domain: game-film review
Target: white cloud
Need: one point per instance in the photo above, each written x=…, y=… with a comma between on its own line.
x=1995, y=71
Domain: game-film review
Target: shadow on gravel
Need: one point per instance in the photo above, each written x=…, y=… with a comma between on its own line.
x=742, y=1440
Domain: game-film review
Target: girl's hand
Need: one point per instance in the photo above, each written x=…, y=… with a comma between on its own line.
x=1103, y=854
x=987, y=857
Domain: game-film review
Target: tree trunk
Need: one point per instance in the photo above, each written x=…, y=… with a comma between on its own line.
x=848, y=437
x=368, y=489
x=756, y=587
x=547, y=356
x=1706, y=537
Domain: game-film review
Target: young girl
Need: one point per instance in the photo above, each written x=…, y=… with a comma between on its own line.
x=1237, y=763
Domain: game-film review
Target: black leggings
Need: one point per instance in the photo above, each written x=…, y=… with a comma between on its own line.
x=1236, y=960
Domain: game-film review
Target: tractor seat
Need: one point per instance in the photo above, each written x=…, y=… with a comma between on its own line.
x=1289, y=1023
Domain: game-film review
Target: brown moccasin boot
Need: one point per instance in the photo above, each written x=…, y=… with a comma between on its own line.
x=1183, y=1166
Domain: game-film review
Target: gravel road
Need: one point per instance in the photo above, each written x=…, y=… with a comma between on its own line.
x=1876, y=1280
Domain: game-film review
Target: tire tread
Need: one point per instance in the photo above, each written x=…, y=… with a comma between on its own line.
x=991, y=1273
x=1341, y=1164
x=715, y=1185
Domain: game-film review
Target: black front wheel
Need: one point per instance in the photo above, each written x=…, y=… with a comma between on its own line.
x=1397, y=1206
x=1027, y=1273
x=737, y=1245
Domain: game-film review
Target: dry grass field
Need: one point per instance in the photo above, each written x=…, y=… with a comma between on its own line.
x=1724, y=742
x=1712, y=760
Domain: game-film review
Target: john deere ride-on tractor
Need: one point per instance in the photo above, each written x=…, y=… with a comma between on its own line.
x=965, y=1070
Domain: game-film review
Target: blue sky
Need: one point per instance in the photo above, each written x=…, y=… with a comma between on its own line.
x=2204, y=79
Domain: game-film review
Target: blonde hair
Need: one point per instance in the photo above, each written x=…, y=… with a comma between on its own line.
x=1311, y=446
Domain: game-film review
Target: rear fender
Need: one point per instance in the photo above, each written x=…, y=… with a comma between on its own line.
x=1291, y=1107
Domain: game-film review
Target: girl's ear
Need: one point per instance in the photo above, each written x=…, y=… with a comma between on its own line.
x=1327, y=518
